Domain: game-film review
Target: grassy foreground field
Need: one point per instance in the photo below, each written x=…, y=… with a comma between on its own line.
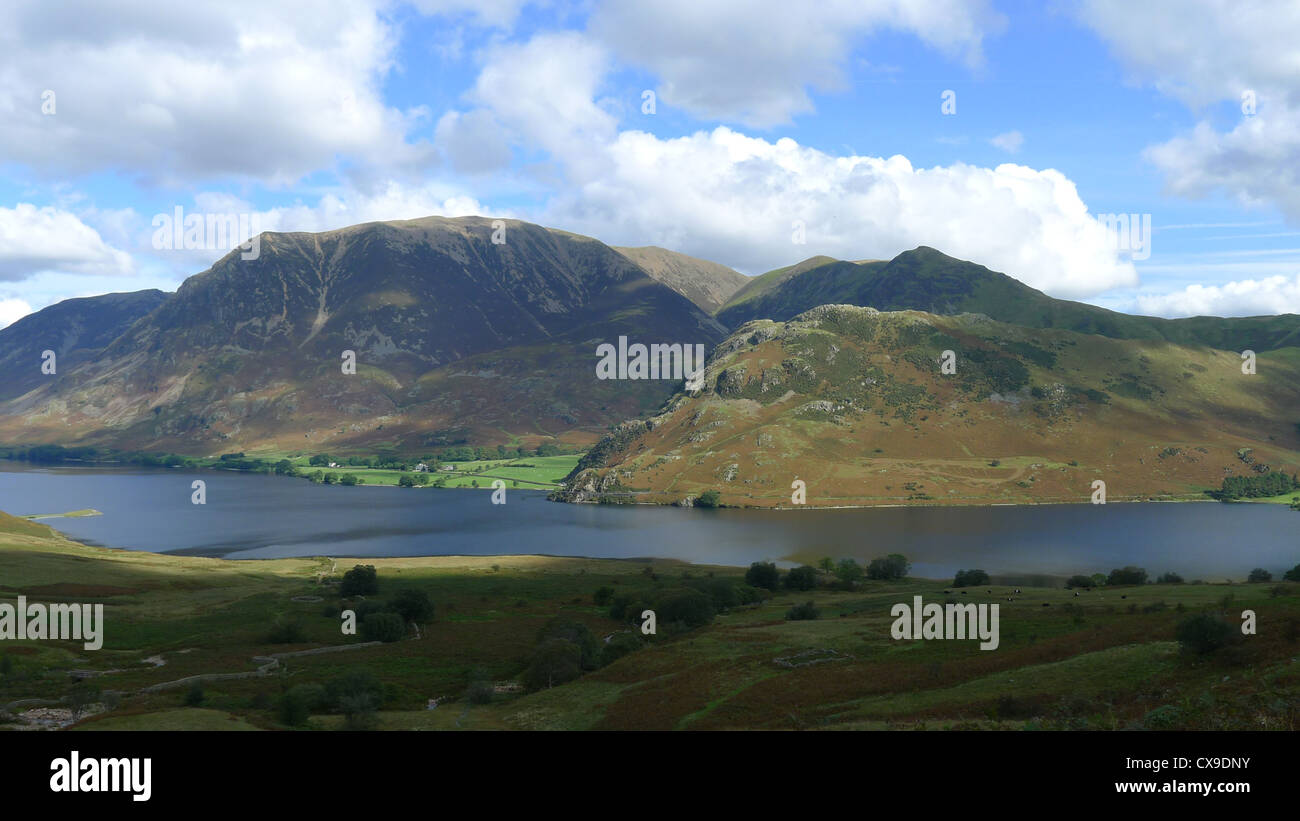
x=1106, y=659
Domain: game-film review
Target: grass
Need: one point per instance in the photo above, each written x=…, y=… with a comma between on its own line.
x=1105, y=659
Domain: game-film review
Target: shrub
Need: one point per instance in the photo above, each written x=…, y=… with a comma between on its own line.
x=603, y=596
x=295, y=707
x=689, y=607
x=1204, y=633
x=194, y=696
x=358, y=711
x=764, y=575
x=970, y=578
x=1127, y=575
x=386, y=627
x=361, y=580
x=356, y=682
x=1169, y=578
x=848, y=572
x=620, y=645
x=480, y=691
x=414, y=606
x=803, y=612
x=709, y=499
x=1259, y=574
x=722, y=592
x=1078, y=581
x=1292, y=575
x=801, y=578
x=555, y=661
x=893, y=567
x=577, y=634
x=286, y=631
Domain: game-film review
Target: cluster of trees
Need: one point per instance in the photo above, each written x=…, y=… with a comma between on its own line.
x=970, y=578
x=1273, y=483
x=356, y=695
x=384, y=620
x=845, y=573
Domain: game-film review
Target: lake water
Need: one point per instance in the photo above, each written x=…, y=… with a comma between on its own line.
x=256, y=517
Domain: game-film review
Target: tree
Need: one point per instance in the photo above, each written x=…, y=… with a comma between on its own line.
x=405, y=480
x=414, y=605
x=358, y=711
x=708, y=498
x=385, y=627
x=577, y=634
x=1078, y=581
x=1127, y=575
x=350, y=480
x=764, y=575
x=827, y=564
x=1292, y=575
x=603, y=596
x=893, y=567
x=801, y=578
x=1259, y=574
x=320, y=460
x=194, y=696
x=555, y=661
x=284, y=467
x=361, y=580
x=970, y=578
x=295, y=707
x=685, y=606
x=1169, y=578
x=848, y=571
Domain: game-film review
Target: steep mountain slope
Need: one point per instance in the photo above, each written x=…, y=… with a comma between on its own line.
x=705, y=283
x=853, y=402
x=456, y=338
x=75, y=329
x=927, y=280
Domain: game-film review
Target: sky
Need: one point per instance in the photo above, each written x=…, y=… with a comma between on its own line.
x=754, y=134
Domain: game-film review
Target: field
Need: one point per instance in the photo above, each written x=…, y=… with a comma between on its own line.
x=533, y=472
x=1105, y=659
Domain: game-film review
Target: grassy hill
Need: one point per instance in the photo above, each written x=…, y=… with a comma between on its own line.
x=1106, y=659
x=926, y=280
x=852, y=401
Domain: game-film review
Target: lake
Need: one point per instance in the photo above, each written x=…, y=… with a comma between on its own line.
x=256, y=517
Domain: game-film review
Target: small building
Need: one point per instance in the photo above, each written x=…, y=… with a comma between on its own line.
x=421, y=468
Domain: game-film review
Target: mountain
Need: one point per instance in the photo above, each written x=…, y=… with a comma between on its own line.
x=926, y=280
x=852, y=401
x=705, y=283
x=457, y=339
x=75, y=329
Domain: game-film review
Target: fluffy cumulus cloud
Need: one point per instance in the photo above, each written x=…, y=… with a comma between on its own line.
x=742, y=200
x=175, y=93
x=1204, y=52
x=35, y=240
x=12, y=310
x=1248, y=297
x=754, y=61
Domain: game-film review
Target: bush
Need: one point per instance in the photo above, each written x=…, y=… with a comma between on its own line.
x=1204, y=634
x=295, y=707
x=414, y=606
x=350, y=480
x=970, y=578
x=286, y=631
x=1169, y=578
x=361, y=580
x=577, y=634
x=722, y=592
x=1292, y=575
x=709, y=499
x=480, y=691
x=1078, y=581
x=194, y=696
x=689, y=607
x=603, y=596
x=358, y=711
x=386, y=627
x=357, y=682
x=620, y=645
x=1127, y=575
x=555, y=661
x=848, y=572
x=1259, y=574
x=764, y=575
x=893, y=567
x=801, y=578
x=803, y=612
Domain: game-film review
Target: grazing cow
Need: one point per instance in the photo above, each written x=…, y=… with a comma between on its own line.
x=1045, y=604
x=947, y=591
x=963, y=592
x=1123, y=597
x=1076, y=594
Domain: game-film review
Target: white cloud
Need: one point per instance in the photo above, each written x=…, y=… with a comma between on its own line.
x=12, y=310
x=1211, y=51
x=34, y=239
x=500, y=13
x=270, y=92
x=1248, y=297
x=753, y=61
x=1009, y=142
x=725, y=196
x=473, y=142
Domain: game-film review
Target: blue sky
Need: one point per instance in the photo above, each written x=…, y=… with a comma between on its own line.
x=767, y=118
